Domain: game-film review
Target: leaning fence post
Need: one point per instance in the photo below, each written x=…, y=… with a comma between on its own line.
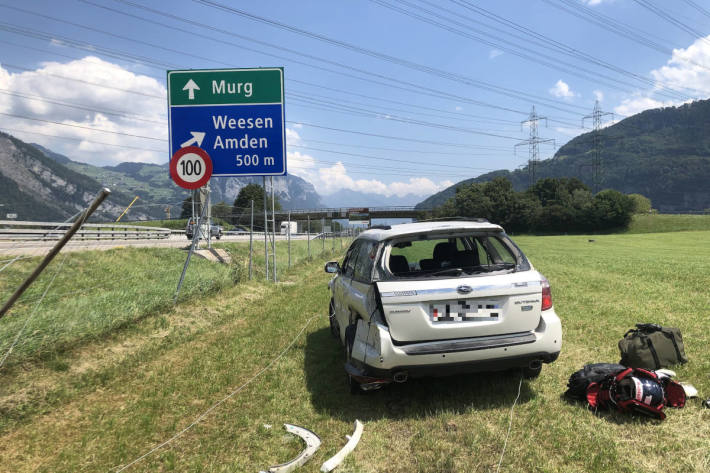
x=103, y=193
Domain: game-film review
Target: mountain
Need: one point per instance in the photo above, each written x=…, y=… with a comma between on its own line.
x=663, y=154
x=350, y=198
x=37, y=187
x=152, y=183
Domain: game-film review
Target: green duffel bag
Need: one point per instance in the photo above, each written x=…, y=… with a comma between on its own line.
x=652, y=347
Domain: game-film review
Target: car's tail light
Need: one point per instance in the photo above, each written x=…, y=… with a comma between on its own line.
x=546, y=295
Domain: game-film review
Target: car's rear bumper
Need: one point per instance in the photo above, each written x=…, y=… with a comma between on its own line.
x=380, y=357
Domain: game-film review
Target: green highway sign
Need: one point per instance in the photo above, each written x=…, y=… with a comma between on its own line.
x=235, y=115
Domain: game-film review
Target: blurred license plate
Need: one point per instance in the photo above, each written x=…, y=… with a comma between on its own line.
x=464, y=311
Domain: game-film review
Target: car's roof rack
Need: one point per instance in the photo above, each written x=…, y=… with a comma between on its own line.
x=461, y=219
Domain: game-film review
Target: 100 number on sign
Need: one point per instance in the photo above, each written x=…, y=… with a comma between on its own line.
x=191, y=167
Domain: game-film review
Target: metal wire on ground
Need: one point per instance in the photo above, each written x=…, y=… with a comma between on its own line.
x=510, y=422
x=221, y=401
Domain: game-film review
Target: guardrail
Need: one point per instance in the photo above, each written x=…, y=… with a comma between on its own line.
x=47, y=231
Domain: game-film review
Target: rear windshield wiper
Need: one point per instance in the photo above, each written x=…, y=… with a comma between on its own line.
x=499, y=266
x=457, y=271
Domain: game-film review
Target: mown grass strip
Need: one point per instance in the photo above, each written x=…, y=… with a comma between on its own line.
x=454, y=424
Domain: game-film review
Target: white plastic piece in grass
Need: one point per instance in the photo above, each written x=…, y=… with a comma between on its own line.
x=667, y=372
x=333, y=462
x=689, y=389
x=312, y=444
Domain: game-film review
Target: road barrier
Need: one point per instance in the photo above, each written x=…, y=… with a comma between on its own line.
x=47, y=231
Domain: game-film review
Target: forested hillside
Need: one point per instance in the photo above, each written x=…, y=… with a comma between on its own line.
x=663, y=154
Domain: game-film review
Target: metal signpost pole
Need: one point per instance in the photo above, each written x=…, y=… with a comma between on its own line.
x=209, y=218
x=266, y=227
x=273, y=228
x=251, y=237
x=195, y=239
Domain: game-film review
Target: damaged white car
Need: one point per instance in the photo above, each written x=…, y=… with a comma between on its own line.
x=438, y=298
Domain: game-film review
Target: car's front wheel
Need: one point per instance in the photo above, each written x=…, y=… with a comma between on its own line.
x=334, y=329
x=349, y=341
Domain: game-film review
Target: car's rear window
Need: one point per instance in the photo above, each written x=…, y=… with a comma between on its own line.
x=451, y=256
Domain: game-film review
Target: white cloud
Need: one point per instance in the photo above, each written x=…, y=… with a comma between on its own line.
x=599, y=95
x=687, y=69
x=494, y=53
x=638, y=104
x=569, y=131
x=292, y=137
x=562, y=90
x=330, y=179
x=101, y=108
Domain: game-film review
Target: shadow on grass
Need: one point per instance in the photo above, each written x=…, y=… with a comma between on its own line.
x=326, y=382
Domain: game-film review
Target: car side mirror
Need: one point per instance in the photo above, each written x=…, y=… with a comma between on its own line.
x=332, y=267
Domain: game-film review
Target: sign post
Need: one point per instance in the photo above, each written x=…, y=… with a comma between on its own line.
x=231, y=121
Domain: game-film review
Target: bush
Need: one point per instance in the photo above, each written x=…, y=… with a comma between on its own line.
x=552, y=205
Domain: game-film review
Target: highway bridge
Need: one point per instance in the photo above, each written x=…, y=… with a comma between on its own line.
x=359, y=213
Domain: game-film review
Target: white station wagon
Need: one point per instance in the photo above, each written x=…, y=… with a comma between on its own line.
x=437, y=298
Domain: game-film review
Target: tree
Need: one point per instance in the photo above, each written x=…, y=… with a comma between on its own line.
x=611, y=209
x=642, y=204
x=222, y=211
x=241, y=210
x=186, y=211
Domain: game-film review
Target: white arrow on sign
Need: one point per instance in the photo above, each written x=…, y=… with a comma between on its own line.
x=197, y=137
x=191, y=87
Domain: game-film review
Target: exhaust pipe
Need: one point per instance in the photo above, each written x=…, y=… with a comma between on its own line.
x=400, y=377
x=535, y=364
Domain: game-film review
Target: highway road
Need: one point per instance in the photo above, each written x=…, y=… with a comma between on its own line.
x=38, y=248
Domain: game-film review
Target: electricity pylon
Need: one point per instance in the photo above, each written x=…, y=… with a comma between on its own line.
x=596, y=117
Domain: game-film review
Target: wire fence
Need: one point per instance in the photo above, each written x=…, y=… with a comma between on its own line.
x=93, y=293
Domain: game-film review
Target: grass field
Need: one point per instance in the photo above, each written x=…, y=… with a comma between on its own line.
x=659, y=223
x=112, y=398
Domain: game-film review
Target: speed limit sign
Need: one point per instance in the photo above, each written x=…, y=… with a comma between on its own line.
x=191, y=167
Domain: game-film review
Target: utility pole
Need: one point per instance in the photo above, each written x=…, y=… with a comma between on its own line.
x=596, y=117
x=533, y=144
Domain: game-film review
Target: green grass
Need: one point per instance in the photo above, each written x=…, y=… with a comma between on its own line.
x=144, y=383
x=98, y=292
x=659, y=223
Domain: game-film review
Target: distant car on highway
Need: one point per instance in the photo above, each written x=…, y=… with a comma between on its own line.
x=435, y=298
x=215, y=230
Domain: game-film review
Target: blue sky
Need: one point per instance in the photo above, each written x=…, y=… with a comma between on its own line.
x=454, y=93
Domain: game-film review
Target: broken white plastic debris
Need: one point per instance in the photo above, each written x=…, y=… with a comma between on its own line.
x=312, y=444
x=667, y=372
x=689, y=389
x=333, y=462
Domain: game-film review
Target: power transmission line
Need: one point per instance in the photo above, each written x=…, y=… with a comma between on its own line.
x=596, y=116
x=670, y=19
x=533, y=144
x=391, y=82
x=521, y=51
